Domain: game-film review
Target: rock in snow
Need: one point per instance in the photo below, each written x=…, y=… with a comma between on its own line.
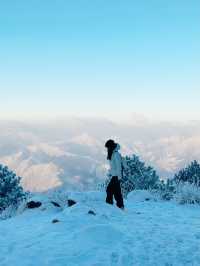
x=71, y=202
x=55, y=204
x=91, y=212
x=33, y=204
x=55, y=221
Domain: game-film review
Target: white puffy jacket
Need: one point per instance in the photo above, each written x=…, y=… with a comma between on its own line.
x=116, y=163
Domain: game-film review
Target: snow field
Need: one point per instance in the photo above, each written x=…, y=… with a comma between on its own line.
x=147, y=233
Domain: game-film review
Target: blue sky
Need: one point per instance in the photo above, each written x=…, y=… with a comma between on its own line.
x=100, y=58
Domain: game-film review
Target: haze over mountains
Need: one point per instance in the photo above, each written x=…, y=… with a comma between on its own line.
x=71, y=151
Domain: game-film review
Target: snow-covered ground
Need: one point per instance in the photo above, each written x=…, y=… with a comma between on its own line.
x=146, y=233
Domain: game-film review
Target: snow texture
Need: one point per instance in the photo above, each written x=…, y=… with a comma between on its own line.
x=148, y=232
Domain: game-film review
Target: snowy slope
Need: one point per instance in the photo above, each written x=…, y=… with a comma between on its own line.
x=147, y=233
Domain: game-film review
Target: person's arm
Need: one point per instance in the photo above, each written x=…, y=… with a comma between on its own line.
x=118, y=163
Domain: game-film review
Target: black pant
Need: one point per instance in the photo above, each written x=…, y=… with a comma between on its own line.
x=114, y=189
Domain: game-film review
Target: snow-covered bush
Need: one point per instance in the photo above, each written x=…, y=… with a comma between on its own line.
x=187, y=193
x=13, y=211
x=190, y=174
x=184, y=187
x=182, y=192
x=137, y=174
x=166, y=190
x=11, y=193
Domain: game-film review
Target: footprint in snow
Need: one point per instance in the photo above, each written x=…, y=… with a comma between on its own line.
x=114, y=258
x=197, y=236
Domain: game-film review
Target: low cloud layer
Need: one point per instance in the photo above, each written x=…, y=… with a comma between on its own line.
x=71, y=151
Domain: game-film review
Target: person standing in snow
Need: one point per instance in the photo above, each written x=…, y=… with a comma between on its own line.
x=114, y=188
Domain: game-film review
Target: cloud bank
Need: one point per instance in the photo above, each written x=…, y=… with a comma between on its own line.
x=71, y=151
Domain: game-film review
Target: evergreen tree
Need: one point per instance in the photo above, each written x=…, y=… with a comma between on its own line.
x=190, y=174
x=11, y=193
x=137, y=174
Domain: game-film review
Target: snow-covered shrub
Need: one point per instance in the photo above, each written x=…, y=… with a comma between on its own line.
x=187, y=193
x=11, y=193
x=184, y=187
x=136, y=175
x=139, y=175
x=166, y=190
x=126, y=187
x=13, y=211
x=175, y=188
x=190, y=174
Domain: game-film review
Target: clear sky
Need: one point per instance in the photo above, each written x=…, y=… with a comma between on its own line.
x=107, y=58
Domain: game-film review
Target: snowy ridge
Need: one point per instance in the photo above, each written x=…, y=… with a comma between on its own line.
x=148, y=232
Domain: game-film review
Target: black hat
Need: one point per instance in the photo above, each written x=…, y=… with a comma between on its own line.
x=110, y=143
